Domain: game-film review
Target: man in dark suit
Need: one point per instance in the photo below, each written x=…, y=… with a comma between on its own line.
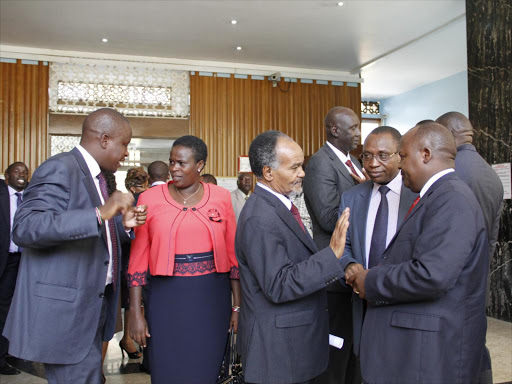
x=485, y=184
x=378, y=208
x=283, y=329
x=329, y=173
x=65, y=300
x=11, y=195
x=425, y=321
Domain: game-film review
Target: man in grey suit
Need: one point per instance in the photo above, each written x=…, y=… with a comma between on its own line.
x=240, y=195
x=65, y=299
x=283, y=329
x=378, y=208
x=329, y=173
x=487, y=187
x=425, y=321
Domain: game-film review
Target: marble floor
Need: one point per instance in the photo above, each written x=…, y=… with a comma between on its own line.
x=125, y=371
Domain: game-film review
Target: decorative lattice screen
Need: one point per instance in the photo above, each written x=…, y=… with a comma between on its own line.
x=132, y=90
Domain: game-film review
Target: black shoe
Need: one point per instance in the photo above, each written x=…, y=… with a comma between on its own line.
x=142, y=368
x=131, y=355
x=9, y=370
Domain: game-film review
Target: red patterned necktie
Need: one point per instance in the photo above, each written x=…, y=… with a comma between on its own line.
x=296, y=215
x=351, y=166
x=112, y=230
x=413, y=205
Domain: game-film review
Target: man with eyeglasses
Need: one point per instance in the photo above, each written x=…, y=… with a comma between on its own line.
x=330, y=172
x=378, y=207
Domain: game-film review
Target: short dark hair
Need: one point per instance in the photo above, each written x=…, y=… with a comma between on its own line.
x=395, y=134
x=437, y=137
x=11, y=166
x=209, y=178
x=158, y=170
x=197, y=146
x=262, y=152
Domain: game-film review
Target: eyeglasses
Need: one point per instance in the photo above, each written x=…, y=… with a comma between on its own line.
x=380, y=157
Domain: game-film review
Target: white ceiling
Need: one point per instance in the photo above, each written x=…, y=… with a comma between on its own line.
x=305, y=34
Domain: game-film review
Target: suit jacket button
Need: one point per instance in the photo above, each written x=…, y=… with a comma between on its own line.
x=194, y=209
x=106, y=262
x=102, y=295
x=185, y=208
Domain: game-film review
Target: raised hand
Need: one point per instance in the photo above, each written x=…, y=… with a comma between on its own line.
x=118, y=202
x=339, y=236
x=135, y=216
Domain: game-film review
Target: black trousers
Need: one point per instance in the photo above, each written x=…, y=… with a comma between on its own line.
x=344, y=367
x=7, y=285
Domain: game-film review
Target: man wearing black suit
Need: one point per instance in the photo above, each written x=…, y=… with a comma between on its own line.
x=329, y=173
x=11, y=195
x=283, y=329
x=378, y=207
x=425, y=321
x=485, y=184
x=65, y=301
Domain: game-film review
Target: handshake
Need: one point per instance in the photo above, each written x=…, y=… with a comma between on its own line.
x=122, y=203
x=355, y=276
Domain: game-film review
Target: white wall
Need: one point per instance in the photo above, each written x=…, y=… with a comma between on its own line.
x=427, y=102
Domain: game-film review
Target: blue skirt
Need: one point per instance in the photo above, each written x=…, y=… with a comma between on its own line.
x=188, y=319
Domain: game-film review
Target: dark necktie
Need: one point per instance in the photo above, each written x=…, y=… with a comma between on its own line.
x=19, y=200
x=112, y=230
x=351, y=166
x=380, y=230
x=296, y=215
x=412, y=206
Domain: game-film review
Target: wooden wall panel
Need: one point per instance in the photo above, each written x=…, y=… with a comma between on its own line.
x=23, y=114
x=228, y=113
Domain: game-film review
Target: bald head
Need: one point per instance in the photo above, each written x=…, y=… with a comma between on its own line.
x=342, y=128
x=106, y=135
x=459, y=125
x=425, y=150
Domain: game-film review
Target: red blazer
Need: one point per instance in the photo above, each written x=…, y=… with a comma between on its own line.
x=155, y=241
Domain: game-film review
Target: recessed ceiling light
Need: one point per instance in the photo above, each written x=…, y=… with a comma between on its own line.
x=340, y=4
x=238, y=48
x=104, y=40
x=234, y=22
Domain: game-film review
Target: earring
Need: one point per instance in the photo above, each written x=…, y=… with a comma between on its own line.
x=199, y=170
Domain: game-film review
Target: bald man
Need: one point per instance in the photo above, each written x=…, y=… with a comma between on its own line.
x=425, y=321
x=329, y=173
x=66, y=294
x=485, y=184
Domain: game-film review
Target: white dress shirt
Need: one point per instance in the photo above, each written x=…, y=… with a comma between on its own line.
x=433, y=179
x=158, y=183
x=393, y=196
x=13, y=200
x=286, y=201
x=95, y=170
x=344, y=159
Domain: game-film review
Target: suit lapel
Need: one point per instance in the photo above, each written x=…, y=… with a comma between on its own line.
x=89, y=186
x=337, y=164
x=284, y=213
x=360, y=216
x=407, y=197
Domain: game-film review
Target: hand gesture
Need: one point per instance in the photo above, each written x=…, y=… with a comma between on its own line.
x=118, y=202
x=135, y=216
x=339, y=235
x=357, y=283
x=352, y=269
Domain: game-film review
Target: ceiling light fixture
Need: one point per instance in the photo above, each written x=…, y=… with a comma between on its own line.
x=238, y=48
x=104, y=40
x=234, y=22
x=340, y=4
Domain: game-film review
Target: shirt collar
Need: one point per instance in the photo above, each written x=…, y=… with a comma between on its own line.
x=92, y=164
x=433, y=179
x=12, y=191
x=158, y=183
x=394, y=185
x=286, y=201
x=338, y=153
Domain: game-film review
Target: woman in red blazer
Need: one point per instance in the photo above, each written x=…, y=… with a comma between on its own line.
x=188, y=245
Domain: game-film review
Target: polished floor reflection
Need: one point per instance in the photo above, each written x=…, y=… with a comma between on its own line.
x=124, y=371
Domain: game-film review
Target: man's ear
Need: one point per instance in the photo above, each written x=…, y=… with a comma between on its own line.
x=104, y=138
x=334, y=131
x=426, y=155
x=268, y=174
